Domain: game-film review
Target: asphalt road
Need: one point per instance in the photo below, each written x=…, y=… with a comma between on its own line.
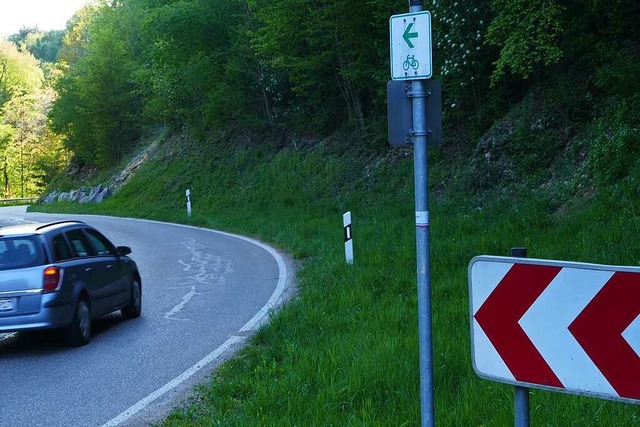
x=204, y=293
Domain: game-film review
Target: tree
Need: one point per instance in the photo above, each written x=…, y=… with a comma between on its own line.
x=19, y=72
x=527, y=33
x=24, y=136
x=76, y=35
x=99, y=105
x=44, y=46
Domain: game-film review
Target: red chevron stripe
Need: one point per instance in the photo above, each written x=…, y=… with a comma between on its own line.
x=598, y=329
x=499, y=315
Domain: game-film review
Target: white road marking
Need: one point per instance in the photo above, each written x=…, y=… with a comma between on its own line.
x=252, y=324
x=124, y=416
x=209, y=270
x=185, y=300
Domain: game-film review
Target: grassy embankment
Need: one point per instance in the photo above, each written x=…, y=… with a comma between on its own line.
x=345, y=351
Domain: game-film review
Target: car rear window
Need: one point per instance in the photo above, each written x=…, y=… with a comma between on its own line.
x=20, y=252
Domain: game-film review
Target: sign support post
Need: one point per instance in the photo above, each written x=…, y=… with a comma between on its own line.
x=521, y=394
x=422, y=245
x=410, y=48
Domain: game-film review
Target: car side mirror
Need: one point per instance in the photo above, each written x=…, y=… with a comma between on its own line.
x=123, y=250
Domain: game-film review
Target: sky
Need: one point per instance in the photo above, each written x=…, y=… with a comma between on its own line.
x=45, y=14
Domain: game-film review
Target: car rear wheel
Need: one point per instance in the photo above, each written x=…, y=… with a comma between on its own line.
x=79, y=331
x=134, y=308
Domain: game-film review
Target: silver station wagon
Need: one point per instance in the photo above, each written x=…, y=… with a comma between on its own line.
x=63, y=275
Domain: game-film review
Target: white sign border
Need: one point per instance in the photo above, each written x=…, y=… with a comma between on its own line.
x=429, y=47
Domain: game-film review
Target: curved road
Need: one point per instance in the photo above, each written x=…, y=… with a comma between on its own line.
x=204, y=292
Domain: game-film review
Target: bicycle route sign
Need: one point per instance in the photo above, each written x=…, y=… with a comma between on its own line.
x=410, y=42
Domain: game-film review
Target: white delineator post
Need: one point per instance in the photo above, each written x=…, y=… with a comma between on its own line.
x=348, y=237
x=188, y=192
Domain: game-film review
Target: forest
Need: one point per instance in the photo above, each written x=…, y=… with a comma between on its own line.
x=83, y=97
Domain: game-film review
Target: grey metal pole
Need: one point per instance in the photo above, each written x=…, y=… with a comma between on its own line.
x=521, y=394
x=422, y=245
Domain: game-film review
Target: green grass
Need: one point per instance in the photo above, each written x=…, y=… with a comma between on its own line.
x=344, y=352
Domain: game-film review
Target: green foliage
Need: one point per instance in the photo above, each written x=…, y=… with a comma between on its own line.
x=527, y=33
x=99, y=106
x=463, y=59
x=312, y=67
x=203, y=72
x=615, y=136
x=76, y=35
x=25, y=140
x=44, y=46
x=303, y=67
x=613, y=151
x=19, y=72
x=331, y=54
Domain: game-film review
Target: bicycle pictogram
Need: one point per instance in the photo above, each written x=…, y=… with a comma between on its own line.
x=412, y=62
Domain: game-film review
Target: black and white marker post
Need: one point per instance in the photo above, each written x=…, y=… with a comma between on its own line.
x=348, y=237
x=188, y=192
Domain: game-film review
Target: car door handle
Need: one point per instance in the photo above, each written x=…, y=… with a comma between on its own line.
x=88, y=269
x=110, y=266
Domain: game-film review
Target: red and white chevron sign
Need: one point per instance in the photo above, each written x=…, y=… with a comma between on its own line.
x=571, y=327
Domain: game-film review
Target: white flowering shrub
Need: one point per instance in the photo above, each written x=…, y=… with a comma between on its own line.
x=462, y=59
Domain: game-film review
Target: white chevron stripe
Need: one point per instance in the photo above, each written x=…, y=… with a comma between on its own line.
x=632, y=335
x=547, y=322
x=486, y=359
x=485, y=278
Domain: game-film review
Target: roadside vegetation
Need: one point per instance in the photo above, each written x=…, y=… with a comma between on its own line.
x=272, y=112
x=344, y=351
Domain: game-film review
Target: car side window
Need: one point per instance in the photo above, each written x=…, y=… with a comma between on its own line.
x=79, y=244
x=101, y=245
x=61, y=249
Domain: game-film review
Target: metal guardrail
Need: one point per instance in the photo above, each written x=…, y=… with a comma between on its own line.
x=20, y=199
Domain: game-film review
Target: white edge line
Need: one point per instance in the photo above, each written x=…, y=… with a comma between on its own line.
x=250, y=325
x=131, y=411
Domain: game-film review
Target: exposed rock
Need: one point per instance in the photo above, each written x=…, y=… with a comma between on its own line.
x=92, y=195
x=98, y=193
x=51, y=197
x=129, y=170
x=106, y=192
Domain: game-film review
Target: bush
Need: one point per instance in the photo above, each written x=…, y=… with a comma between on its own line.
x=613, y=152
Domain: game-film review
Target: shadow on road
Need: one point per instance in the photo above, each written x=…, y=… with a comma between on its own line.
x=50, y=341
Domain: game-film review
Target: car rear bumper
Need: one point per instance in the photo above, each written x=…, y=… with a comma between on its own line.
x=53, y=317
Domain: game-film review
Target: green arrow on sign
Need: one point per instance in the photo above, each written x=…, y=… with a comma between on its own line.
x=407, y=36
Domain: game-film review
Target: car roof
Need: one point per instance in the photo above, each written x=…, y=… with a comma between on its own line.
x=37, y=227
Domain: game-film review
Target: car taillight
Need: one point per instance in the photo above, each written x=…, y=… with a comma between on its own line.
x=51, y=279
